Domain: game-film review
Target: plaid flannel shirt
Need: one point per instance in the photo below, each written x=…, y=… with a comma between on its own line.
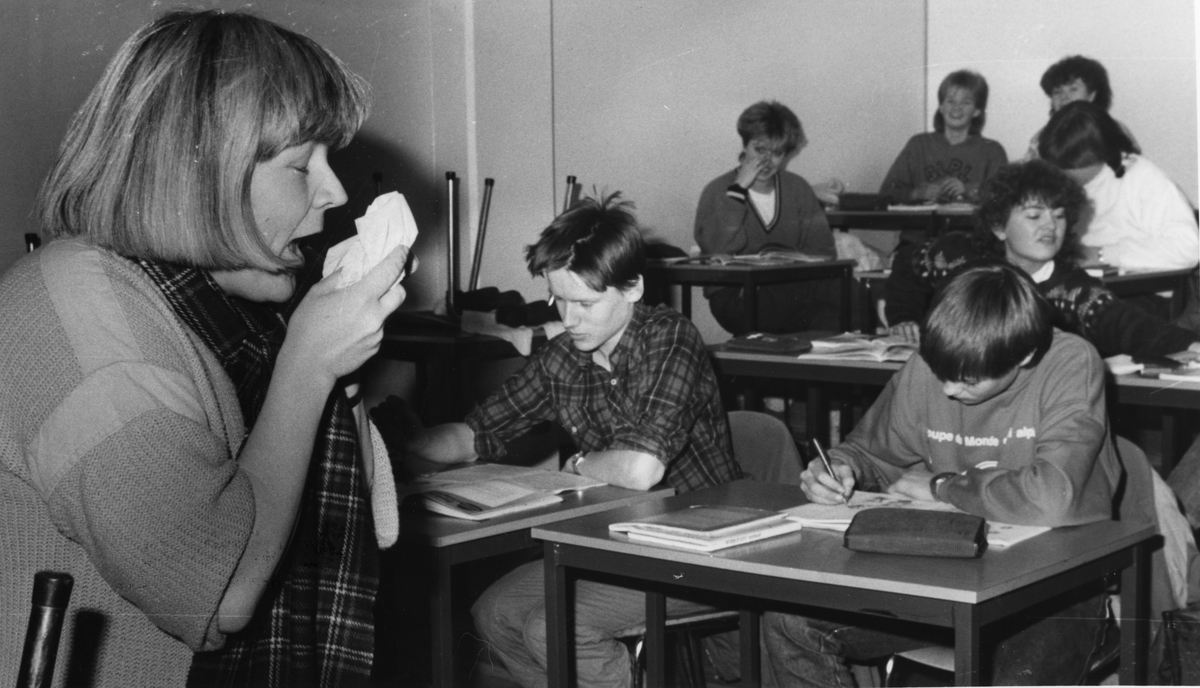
x=661, y=399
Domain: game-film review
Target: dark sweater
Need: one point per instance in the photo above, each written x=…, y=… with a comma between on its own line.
x=1082, y=304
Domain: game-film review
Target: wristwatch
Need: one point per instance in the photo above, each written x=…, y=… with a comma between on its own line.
x=936, y=481
x=574, y=462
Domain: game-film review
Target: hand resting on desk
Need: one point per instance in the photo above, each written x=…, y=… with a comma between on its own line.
x=910, y=331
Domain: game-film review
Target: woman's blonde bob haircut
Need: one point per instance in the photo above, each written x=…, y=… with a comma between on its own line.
x=157, y=162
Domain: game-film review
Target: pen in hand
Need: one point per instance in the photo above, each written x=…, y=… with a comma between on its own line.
x=828, y=468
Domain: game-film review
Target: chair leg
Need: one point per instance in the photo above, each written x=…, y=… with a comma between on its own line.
x=696, y=663
x=639, y=662
x=888, y=669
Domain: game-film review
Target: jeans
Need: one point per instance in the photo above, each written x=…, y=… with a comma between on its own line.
x=1046, y=644
x=511, y=617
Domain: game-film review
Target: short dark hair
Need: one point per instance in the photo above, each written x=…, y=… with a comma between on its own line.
x=1082, y=134
x=983, y=322
x=1015, y=185
x=1090, y=72
x=971, y=81
x=597, y=239
x=772, y=120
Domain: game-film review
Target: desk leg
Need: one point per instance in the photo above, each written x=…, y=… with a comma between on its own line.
x=656, y=640
x=1135, y=625
x=847, y=278
x=560, y=621
x=816, y=414
x=442, y=609
x=1175, y=439
x=750, y=299
x=748, y=637
x=685, y=300
x=966, y=645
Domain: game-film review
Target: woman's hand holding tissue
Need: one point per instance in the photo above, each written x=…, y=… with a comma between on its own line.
x=337, y=329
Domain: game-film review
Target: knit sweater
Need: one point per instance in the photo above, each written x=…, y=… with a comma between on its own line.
x=1039, y=453
x=728, y=223
x=118, y=438
x=1082, y=304
x=929, y=157
x=1141, y=220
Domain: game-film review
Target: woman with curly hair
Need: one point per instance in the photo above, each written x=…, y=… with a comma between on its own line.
x=1027, y=216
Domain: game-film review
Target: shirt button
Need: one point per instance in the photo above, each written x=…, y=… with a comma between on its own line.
x=613, y=382
x=574, y=429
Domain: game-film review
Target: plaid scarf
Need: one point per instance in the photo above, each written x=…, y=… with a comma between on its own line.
x=314, y=625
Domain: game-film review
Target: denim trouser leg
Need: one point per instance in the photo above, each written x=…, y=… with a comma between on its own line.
x=812, y=653
x=511, y=616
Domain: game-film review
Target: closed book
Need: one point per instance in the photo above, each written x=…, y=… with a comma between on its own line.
x=712, y=544
x=917, y=533
x=701, y=522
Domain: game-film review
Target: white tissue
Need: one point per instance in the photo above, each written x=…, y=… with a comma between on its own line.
x=388, y=223
x=1122, y=364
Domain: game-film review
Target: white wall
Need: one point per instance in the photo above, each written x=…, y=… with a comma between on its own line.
x=1147, y=47
x=628, y=95
x=647, y=95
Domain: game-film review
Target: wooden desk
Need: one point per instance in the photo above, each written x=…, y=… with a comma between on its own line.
x=1129, y=284
x=934, y=221
x=812, y=568
x=440, y=354
x=749, y=278
x=446, y=542
x=1154, y=281
x=1175, y=399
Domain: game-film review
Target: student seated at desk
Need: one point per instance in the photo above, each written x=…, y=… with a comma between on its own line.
x=1139, y=219
x=1028, y=215
x=992, y=369
x=759, y=206
x=634, y=387
x=952, y=162
x=1076, y=78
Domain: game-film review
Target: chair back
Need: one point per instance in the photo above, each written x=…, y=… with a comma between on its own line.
x=764, y=448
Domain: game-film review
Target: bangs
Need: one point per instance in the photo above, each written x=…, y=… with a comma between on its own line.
x=983, y=323
x=310, y=96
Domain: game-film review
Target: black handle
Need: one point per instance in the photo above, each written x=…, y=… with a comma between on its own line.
x=51, y=594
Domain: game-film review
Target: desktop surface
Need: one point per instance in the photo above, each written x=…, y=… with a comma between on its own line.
x=817, y=556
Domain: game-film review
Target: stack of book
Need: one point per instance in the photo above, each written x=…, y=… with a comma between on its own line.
x=704, y=528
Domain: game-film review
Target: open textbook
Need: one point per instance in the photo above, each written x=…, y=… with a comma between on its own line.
x=838, y=516
x=852, y=346
x=707, y=528
x=487, y=490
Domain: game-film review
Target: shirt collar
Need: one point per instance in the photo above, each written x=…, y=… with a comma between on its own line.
x=630, y=341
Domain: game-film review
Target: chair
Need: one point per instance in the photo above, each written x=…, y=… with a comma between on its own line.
x=941, y=658
x=764, y=448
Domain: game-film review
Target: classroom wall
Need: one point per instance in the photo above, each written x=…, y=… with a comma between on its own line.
x=414, y=54
x=631, y=96
x=650, y=109
x=1148, y=49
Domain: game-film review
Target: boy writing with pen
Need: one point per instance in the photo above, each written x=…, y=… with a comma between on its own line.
x=1002, y=416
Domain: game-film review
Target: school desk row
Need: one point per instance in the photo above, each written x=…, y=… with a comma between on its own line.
x=750, y=276
x=1178, y=403
x=809, y=567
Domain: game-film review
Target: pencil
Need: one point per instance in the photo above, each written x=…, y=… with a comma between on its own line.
x=825, y=463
